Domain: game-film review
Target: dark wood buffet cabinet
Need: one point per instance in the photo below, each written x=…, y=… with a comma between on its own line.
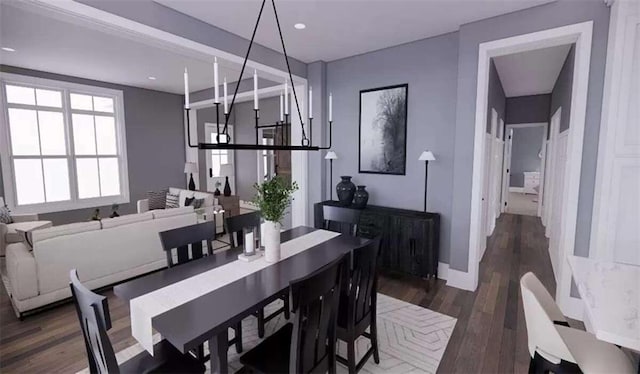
x=410, y=240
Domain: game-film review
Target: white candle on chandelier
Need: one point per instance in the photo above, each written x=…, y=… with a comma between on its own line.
x=330, y=107
x=281, y=108
x=255, y=89
x=310, y=102
x=286, y=98
x=226, y=108
x=186, y=89
x=216, y=89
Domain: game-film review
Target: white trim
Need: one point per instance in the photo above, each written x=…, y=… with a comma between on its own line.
x=581, y=34
x=73, y=203
x=443, y=270
x=574, y=308
x=461, y=279
x=516, y=189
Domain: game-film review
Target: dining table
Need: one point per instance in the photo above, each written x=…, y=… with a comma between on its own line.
x=198, y=301
x=610, y=292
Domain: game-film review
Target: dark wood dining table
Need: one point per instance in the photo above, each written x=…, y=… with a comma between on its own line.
x=208, y=317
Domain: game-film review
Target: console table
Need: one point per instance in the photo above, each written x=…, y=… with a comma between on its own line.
x=410, y=240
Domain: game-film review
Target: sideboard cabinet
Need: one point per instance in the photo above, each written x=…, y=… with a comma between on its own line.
x=410, y=240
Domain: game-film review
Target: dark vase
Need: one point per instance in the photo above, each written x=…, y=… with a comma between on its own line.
x=216, y=192
x=192, y=184
x=227, y=187
x=345, y=191
x=361, y=197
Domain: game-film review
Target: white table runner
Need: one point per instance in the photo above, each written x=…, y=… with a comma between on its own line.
x=145, y=307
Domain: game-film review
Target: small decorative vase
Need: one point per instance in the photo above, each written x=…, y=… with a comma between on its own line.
x=216, y=192
x=227, y=187
x=192, y=183
x=345, y=190
x=361, y=197
x=271, y=240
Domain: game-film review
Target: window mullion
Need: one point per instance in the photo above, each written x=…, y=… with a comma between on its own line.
x=73, y=173
x=95, y=141
x=44, y=184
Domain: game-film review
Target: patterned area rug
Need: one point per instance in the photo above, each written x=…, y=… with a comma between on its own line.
x=411, y=339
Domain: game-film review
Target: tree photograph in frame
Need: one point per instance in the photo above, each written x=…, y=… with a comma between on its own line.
x=383, y=130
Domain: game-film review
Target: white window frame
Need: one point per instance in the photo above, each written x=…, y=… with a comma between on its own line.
x=5, y=154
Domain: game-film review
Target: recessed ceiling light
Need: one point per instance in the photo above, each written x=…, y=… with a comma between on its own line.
x=300, y=26
x=152, y=78
x=8, y=49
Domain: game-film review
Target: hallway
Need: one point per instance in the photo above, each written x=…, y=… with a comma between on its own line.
x=490, y=335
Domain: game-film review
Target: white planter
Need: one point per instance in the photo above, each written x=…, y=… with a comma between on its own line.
x=271, y=240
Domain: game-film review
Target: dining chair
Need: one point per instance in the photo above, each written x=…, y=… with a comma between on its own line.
x=192, y=236
x=357, y=310
x=234, y=226
x=95, y=321
x=558, y=348
x=345, y=219
x=307, y=345
x=188, y=237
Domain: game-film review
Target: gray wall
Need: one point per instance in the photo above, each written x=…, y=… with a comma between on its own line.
x=526, y=145
x=561, y=94
x=429, y=67
x=528, y=109
x=497, y=99
x=160, y=17
x=559, y=13
x=155, y=142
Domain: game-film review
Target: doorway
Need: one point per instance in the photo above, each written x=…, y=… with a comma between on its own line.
x=220, y=162
x=581, y=35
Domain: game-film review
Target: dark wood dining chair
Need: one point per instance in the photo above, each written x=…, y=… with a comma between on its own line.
x=95, y=321
x=184, y=238
x=308, y=345
x=358, y=306
x=340, y=219
x=234, y=226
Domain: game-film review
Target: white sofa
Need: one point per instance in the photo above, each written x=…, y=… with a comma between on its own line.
x=207, y=207
x=104, y=252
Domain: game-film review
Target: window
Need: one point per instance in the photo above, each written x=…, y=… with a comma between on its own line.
x=62, y=146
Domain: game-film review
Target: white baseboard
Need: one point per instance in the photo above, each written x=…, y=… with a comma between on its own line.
x=460, y=279
x=516, y=189
x=443, y=270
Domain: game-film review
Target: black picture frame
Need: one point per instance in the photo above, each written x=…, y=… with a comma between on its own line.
x=402, y=168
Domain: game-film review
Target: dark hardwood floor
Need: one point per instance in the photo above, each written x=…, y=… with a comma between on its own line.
x=489, y=337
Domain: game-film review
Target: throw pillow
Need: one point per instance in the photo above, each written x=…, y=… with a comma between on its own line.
x=197, y=203
x=173, y=201
x=188, y=201
x=5, y=215
x=157, y=199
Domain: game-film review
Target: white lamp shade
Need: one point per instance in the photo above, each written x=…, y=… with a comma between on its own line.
x=331, y=155
x=427, y=156
x=226, y=170
x=190, y=167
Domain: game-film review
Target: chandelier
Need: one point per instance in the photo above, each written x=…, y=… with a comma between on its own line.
x=281, y=127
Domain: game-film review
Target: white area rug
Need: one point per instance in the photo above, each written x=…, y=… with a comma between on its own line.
x=411, y=339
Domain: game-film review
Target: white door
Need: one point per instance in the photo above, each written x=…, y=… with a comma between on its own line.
x=493, y=173
x=558, y=181
x=498, y=169
x=485, y=195
x=220, y=163
x=506, y=170
x=616, y=210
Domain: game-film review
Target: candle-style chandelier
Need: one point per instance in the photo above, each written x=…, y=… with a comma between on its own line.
x=281, y=127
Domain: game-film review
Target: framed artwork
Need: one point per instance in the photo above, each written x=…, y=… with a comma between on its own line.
x=383, y=130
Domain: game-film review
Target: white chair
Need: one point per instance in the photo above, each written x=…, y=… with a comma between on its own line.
x=554, y=346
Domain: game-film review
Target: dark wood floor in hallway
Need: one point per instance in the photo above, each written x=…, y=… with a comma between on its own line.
x=490, y=335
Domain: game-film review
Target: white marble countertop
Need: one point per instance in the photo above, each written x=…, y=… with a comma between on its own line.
x=611, y=295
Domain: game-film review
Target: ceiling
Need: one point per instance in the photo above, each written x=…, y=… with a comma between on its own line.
x=342, y=28
x=531, y=72
x=72, y=47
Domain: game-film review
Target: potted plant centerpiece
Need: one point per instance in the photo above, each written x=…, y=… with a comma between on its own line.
x=273, y=198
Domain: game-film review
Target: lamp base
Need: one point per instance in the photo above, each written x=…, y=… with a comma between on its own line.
x=192, y=184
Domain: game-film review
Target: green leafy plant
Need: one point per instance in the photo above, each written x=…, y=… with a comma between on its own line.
x=274, y=197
